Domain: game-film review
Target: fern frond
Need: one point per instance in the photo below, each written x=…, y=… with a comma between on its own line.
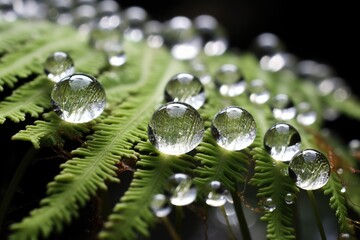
x=132, y=215
x=338, y=203
x=273, y=182
x=31, y=98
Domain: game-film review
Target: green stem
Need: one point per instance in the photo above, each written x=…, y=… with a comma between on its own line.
x=240, y=215
x=317, y=215
x=229, y=228
x=174, y=235
x=10, y=191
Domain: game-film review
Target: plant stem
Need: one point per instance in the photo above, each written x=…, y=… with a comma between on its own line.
x=240, y=215
x=174, y=235
x=317, y=215
x=229, y=228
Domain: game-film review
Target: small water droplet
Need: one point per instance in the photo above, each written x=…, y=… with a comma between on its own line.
x=181, y=189
x=282, y=141
x=233, y=128
x=330, y=114
x=335, y=86
x=216, y=196
x=181, y=38
x=269, y=205
x=310, y=169
x=314, y=71
x=344, y=236
x=60, y=12
x=153, y=32
x=135, y=17
x=354, y=146
x=199, y=70
x=258, y=92
x=78, y=98
x=176, y=128
x=343, y=189
x=306, y=115
x=213, y=37
x=110, y=41
x=267, y=44
x=30, y=9
x=283, y=108
x=340, y=171
x=229, y=80
x=58, y=65
x=84, y=16
x=160, y=205
x=289, y=198
x=187, y=88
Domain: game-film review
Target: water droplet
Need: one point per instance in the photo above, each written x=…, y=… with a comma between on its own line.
x=180, y=37
x=354, y=146
x=344, y=236
x=78, y=98
x=313, y=71
x=269, y=205
x=7, y=12
x=282, y=141
x=160, y=205
x=343, y=189
x=109, y=16
x=187, y=88
x=335, y=86
x=60, y=12
x=216, y=196
x=212, y=34
x=136, y=18
x=306, y=115
x=289, y=198
x=267, y=44
x=310, y=169
x=110, y=41
x=176, y=128
x=153, y=31
x=181, y=189
x=233, y=128
x=330, y=114
x=229, y=80
x=283, y=108
x=58, y=65
x=340, y=171
x=199, y=70
x=258, y=92
x=30, y=9
x=273, y=63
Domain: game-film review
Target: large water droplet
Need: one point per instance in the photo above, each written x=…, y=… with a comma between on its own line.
x=306, y=115
x=217, y=193
x=84, y=16
x=78, y=98
x=289, y=198
x=282, y=141
x=187, y=88
x=176, y=128
x=269, y=205
x=58, y=65
x=233, y=128
x=282, y=107
x=258, y=92
x=229, y=80
x=181, y=189
x=212, y=34
x=160, y=205
x=136, y=18
x=310, y=169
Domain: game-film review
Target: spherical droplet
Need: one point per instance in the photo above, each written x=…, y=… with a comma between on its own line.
x=310, y=169
x=267, y=44
x=153, y=32
x=160, y=205
x=233, y=128
x=200, y=70
x=282, y=107
x=181, y=189
x=343, y=189
x=269, y=205
x=78, y=98
x=187, y=88
x=58, y=65
x=354, y=146
x=176, y=128
x=136, y=18
x=282, y=141
x=217, y=194
x=258, y=92
x=289, y=198
x=306, y=115
x=229, y=80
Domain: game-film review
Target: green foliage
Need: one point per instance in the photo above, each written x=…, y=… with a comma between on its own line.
x=133, y=92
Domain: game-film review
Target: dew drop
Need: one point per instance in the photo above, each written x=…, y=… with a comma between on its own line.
x=84, y=15
x=160, y=205
x=283, y=108
x=340, y=171
x=330, y=114
x=267, y=44
x=305, y=114
x=108, y=15
x=78, y=98
x=187, y=88
x=153, y=32
x=282, y=141
x=229, y=80
x=314, y=71
x=343, y=189
x=217, y=194
x=200, y=70
x=181, y=189
x=233, y=128
x=135, y=18
x=269, y=205
x=289, y=198
x=176, y=128
x=354, y=146
x=60, y=12
x=258, y=92
x=344, y=236
x=58, y=65
x=310, y=169
x=7, y=12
